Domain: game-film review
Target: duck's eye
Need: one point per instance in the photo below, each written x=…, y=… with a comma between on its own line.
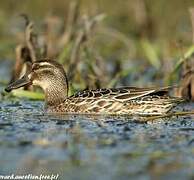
x=47, y=71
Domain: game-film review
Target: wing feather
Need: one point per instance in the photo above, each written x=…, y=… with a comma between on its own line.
x=122, y=94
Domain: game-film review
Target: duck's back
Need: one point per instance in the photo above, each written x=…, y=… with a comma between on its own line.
x=126, y=100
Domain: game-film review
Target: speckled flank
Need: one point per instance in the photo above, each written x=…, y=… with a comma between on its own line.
x=146, y=105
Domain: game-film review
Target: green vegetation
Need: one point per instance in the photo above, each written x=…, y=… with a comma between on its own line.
x=100, y=43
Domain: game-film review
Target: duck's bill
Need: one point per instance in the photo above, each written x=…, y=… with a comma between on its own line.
x=19, y=83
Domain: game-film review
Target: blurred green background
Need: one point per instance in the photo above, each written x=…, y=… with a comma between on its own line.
x=160, y=21
x=155, y=33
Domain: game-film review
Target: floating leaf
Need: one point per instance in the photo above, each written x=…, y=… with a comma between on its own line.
x=28, y=94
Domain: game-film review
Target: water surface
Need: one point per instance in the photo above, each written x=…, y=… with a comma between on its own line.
x=86, y=147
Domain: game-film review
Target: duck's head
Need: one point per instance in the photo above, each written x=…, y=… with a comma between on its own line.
x=47, y=74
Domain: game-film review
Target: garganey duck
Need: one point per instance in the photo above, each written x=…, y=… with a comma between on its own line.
x=51, y=77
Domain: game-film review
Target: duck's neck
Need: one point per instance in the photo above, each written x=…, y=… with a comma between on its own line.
x=55, y=95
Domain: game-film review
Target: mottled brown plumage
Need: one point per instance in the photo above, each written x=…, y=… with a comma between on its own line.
x=50, y=76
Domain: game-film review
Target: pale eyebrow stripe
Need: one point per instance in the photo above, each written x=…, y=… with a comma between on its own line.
x=45, y=64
